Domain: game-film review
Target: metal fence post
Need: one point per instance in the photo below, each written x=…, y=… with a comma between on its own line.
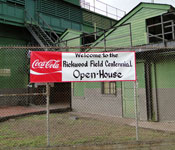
x=47, y=114
x=136, y=110
x=105, y=40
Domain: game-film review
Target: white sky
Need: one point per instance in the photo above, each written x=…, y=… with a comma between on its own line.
x=125, y=5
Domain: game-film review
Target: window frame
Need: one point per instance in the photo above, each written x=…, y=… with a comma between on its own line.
x=112, y=88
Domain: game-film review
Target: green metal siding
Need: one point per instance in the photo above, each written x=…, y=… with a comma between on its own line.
x=128, y=99
x=138, y=24
x=88, y=28
x=162, y=7
x=11, y=13
x=78, y=89
x=140, y=70
x=99, y=85
x=60, y=9
x=137, y=19
x=165, y=73
x=60, y=15
x=31, y=8
x=93, y=85
x=13, y=60
x=121, y=38
x=72, y=43
x=75, y=2
x=128, y=92
x=102, y=22
x=17, y=2
x=16, y=62
x=118, y=38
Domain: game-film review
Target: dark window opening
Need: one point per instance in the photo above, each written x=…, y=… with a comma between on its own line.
x=154, y=28
x=87, y=40
x=161, y=28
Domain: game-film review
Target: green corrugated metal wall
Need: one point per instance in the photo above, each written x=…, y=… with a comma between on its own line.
x=138, y=24
x=138, y=29
x=102, y=22
x=10, y=13
x=60, y=9
x=75, y=2
x=17, y=2
x=14, y=60
x=78, y=89
x=162, y=71
x=18, y=78
x=140, y=75
x=163, y=85
x=58, y=14
x=121, y=38
x=128, y=99
x=128, y=91
x=71, y=43
x=63, y=15
x=165, y=73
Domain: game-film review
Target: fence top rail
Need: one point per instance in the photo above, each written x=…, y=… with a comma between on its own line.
x=84, y=47
x=24, y=94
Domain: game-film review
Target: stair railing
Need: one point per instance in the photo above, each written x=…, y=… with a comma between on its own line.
x=41, y=23
x=27, y=18
x=45, y=25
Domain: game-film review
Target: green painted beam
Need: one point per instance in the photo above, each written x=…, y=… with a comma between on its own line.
x=75, y=2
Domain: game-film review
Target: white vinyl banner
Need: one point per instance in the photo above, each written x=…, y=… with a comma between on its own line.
x=102, y=66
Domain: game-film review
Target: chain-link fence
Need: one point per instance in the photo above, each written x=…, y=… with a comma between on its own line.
x=87, y=112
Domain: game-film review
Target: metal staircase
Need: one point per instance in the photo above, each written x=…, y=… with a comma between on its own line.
x=41, y=31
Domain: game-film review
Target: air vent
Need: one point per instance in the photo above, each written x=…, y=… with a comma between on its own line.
x=60, y=9
x=17, y=2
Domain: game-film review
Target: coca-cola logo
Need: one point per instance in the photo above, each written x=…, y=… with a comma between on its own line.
x=50, y=64
x=45, y=66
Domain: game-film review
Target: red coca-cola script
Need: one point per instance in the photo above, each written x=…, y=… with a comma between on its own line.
x=45, y=68
x=45, y=64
